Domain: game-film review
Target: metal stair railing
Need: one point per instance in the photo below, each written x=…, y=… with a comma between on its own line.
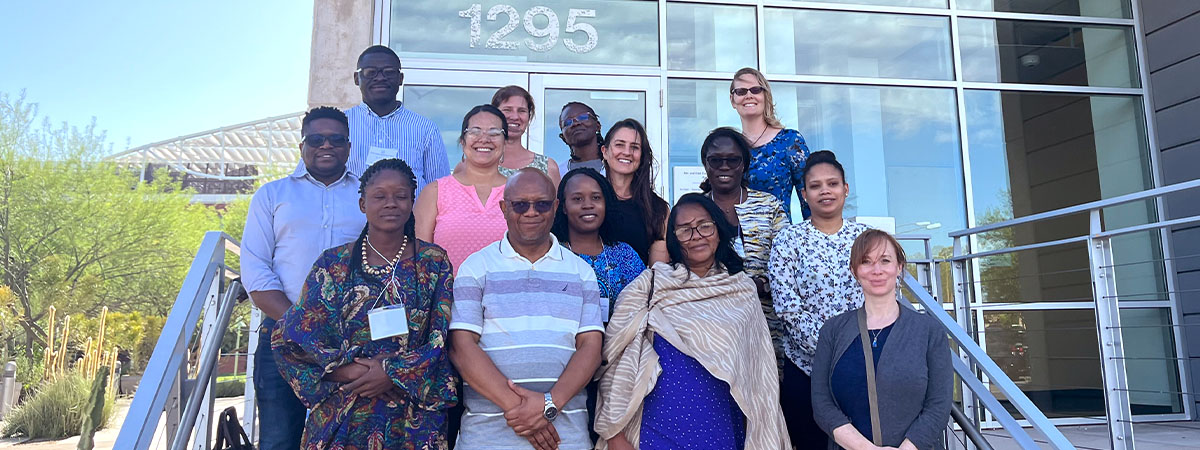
x=1105, y=300
x=209, y=288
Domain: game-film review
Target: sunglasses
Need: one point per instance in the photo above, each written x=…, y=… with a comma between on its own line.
x=742, y=91
x=584, y=117
x=318, y=140
x=706, y=229
x=521, y=206
x=731, y=162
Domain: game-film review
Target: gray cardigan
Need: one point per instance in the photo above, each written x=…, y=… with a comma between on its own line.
x=913, y=378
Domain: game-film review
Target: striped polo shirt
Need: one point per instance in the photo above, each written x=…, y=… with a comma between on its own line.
x=527, y=315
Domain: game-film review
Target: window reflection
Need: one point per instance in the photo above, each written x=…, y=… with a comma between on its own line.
x=1092, y=8
x=1013, y=51
x=611, y=106
x=913, y=3
x=812, y=42
x=446, y=106
x=708, y=37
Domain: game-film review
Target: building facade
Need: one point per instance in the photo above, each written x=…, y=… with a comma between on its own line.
x=946, y=113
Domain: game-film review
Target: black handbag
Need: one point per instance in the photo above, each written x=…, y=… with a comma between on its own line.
x=230, y=435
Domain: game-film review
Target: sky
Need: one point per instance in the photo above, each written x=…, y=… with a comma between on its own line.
x=153, y=70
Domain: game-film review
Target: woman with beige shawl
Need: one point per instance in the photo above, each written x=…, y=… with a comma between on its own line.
x=689, y=358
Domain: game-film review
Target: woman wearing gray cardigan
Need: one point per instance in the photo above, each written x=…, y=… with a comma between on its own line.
x=909, y=360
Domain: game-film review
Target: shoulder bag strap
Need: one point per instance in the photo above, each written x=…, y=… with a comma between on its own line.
x=872, y=394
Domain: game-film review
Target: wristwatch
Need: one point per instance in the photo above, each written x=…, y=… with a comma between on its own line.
x=551, y=411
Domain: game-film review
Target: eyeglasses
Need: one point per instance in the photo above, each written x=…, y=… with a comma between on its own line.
x=583, y=117
x=491, y=133
x=742, y=91
x=715, y=162
x=521, y=206
x=705, y=228
x=369, y=73
x=318, y=140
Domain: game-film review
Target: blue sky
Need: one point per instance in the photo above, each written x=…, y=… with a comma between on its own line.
x=154, y=70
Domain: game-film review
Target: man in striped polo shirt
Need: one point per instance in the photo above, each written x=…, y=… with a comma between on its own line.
x=526, y=331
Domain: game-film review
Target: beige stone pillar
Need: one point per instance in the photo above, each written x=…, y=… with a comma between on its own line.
x=341, y=30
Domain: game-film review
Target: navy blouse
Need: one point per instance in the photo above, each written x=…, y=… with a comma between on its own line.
x=849, y=384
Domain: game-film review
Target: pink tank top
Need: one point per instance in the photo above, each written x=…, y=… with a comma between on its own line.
x=464, y=226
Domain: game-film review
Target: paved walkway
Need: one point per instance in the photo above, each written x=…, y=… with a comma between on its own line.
x=1158, y=435
x=107, y=437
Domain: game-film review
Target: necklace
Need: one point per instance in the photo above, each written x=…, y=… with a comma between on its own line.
x=381, y=271
x=741, y=199
x=760, y=135
x=875, y=337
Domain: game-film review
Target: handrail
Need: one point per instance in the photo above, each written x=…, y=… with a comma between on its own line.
x=1081, y=208
x=166, y=363
x=208, y=362
x=996, y=376
x=968, y=428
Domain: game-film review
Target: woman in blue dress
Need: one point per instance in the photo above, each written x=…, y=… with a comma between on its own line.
x=582, y=225
x=777, y=154
x=689, y=358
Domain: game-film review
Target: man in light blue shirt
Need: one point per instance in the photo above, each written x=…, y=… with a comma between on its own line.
x=291, y=221
x=381, y=127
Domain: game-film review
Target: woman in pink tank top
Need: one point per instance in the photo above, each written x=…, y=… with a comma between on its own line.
x=461, y=212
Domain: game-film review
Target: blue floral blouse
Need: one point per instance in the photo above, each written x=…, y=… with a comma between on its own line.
x=616, y=266
x=777, y=167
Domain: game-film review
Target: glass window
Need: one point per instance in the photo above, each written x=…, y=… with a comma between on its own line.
x=611, y=106
x=912, y=3
x=446, y=106
x=900, y=146
x=1013, y=51
x=692, y=37
x=621, y=32
x=1092, y=8
x=812, y=42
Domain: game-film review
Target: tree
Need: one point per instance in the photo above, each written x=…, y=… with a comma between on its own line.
x=79, y=232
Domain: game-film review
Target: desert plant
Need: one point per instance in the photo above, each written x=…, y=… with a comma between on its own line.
x=93, y=418
x=56, y=410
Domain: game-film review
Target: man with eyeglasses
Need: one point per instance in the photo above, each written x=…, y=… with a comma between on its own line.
x=381, y=127
x=526, y=332
x=290, y=222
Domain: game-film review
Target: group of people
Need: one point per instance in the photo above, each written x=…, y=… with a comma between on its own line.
x=501, y=304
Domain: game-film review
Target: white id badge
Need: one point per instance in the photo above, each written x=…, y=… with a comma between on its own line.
x=388, y=321
x=378, y=153
x=604, y=312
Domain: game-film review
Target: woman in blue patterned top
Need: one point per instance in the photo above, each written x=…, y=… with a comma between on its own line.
x=777, y=153
x=581, y=225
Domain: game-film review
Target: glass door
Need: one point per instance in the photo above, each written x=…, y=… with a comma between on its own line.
x=445, y=96
x=612, y=97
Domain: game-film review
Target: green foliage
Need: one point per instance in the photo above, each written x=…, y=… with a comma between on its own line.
x=29, y=372
x=126, y=331
x=153, y=327
x=56, y=410
x=231, y=388
x=94, y=411
x=80, y=232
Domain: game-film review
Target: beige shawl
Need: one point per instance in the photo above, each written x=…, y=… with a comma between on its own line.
x=715, y=319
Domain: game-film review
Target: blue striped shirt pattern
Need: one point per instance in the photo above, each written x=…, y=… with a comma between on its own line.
x=415, y=138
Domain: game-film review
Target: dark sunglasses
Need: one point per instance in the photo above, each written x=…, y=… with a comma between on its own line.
x=318, y=140
x=521, y=207
x=742, y=91
x=731, y=162
x=584, y=117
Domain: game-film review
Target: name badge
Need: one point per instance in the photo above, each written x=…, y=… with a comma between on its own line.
x=388, y=321
x=604, y=310
x=378, y=153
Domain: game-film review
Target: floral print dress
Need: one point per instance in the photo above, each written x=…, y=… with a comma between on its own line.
x=777, y=168
x=811, y=282
x=328, y=328
x=616, y=266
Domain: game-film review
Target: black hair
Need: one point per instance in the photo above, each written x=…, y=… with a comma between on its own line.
x=378, y=49
x=641, y=188
x=599, y=137
x=822, y=157
x=739, y=141
x=483, y=109
x=406, y=172
x=324, y=112
x=726, y=256
x=608, y=228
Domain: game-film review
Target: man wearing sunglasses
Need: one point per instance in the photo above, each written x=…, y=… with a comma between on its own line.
x=526, y=331
x=290, y=222
x=381, y=127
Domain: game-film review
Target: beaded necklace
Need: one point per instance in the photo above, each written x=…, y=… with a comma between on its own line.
x=384, y=269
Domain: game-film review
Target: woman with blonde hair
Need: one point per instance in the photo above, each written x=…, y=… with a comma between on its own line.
x=777, y=153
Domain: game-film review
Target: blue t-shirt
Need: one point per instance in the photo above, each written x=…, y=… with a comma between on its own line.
x=849, y=377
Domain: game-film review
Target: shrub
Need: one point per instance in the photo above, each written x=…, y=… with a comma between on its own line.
x=56, y=410
x=231, y=388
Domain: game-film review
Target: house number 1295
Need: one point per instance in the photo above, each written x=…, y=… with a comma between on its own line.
x=540, y=39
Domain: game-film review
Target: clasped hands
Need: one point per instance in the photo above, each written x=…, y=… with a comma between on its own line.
x=527, y=418
x=366, y=377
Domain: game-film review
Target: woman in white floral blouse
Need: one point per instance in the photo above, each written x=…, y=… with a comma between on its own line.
x=811, y=282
